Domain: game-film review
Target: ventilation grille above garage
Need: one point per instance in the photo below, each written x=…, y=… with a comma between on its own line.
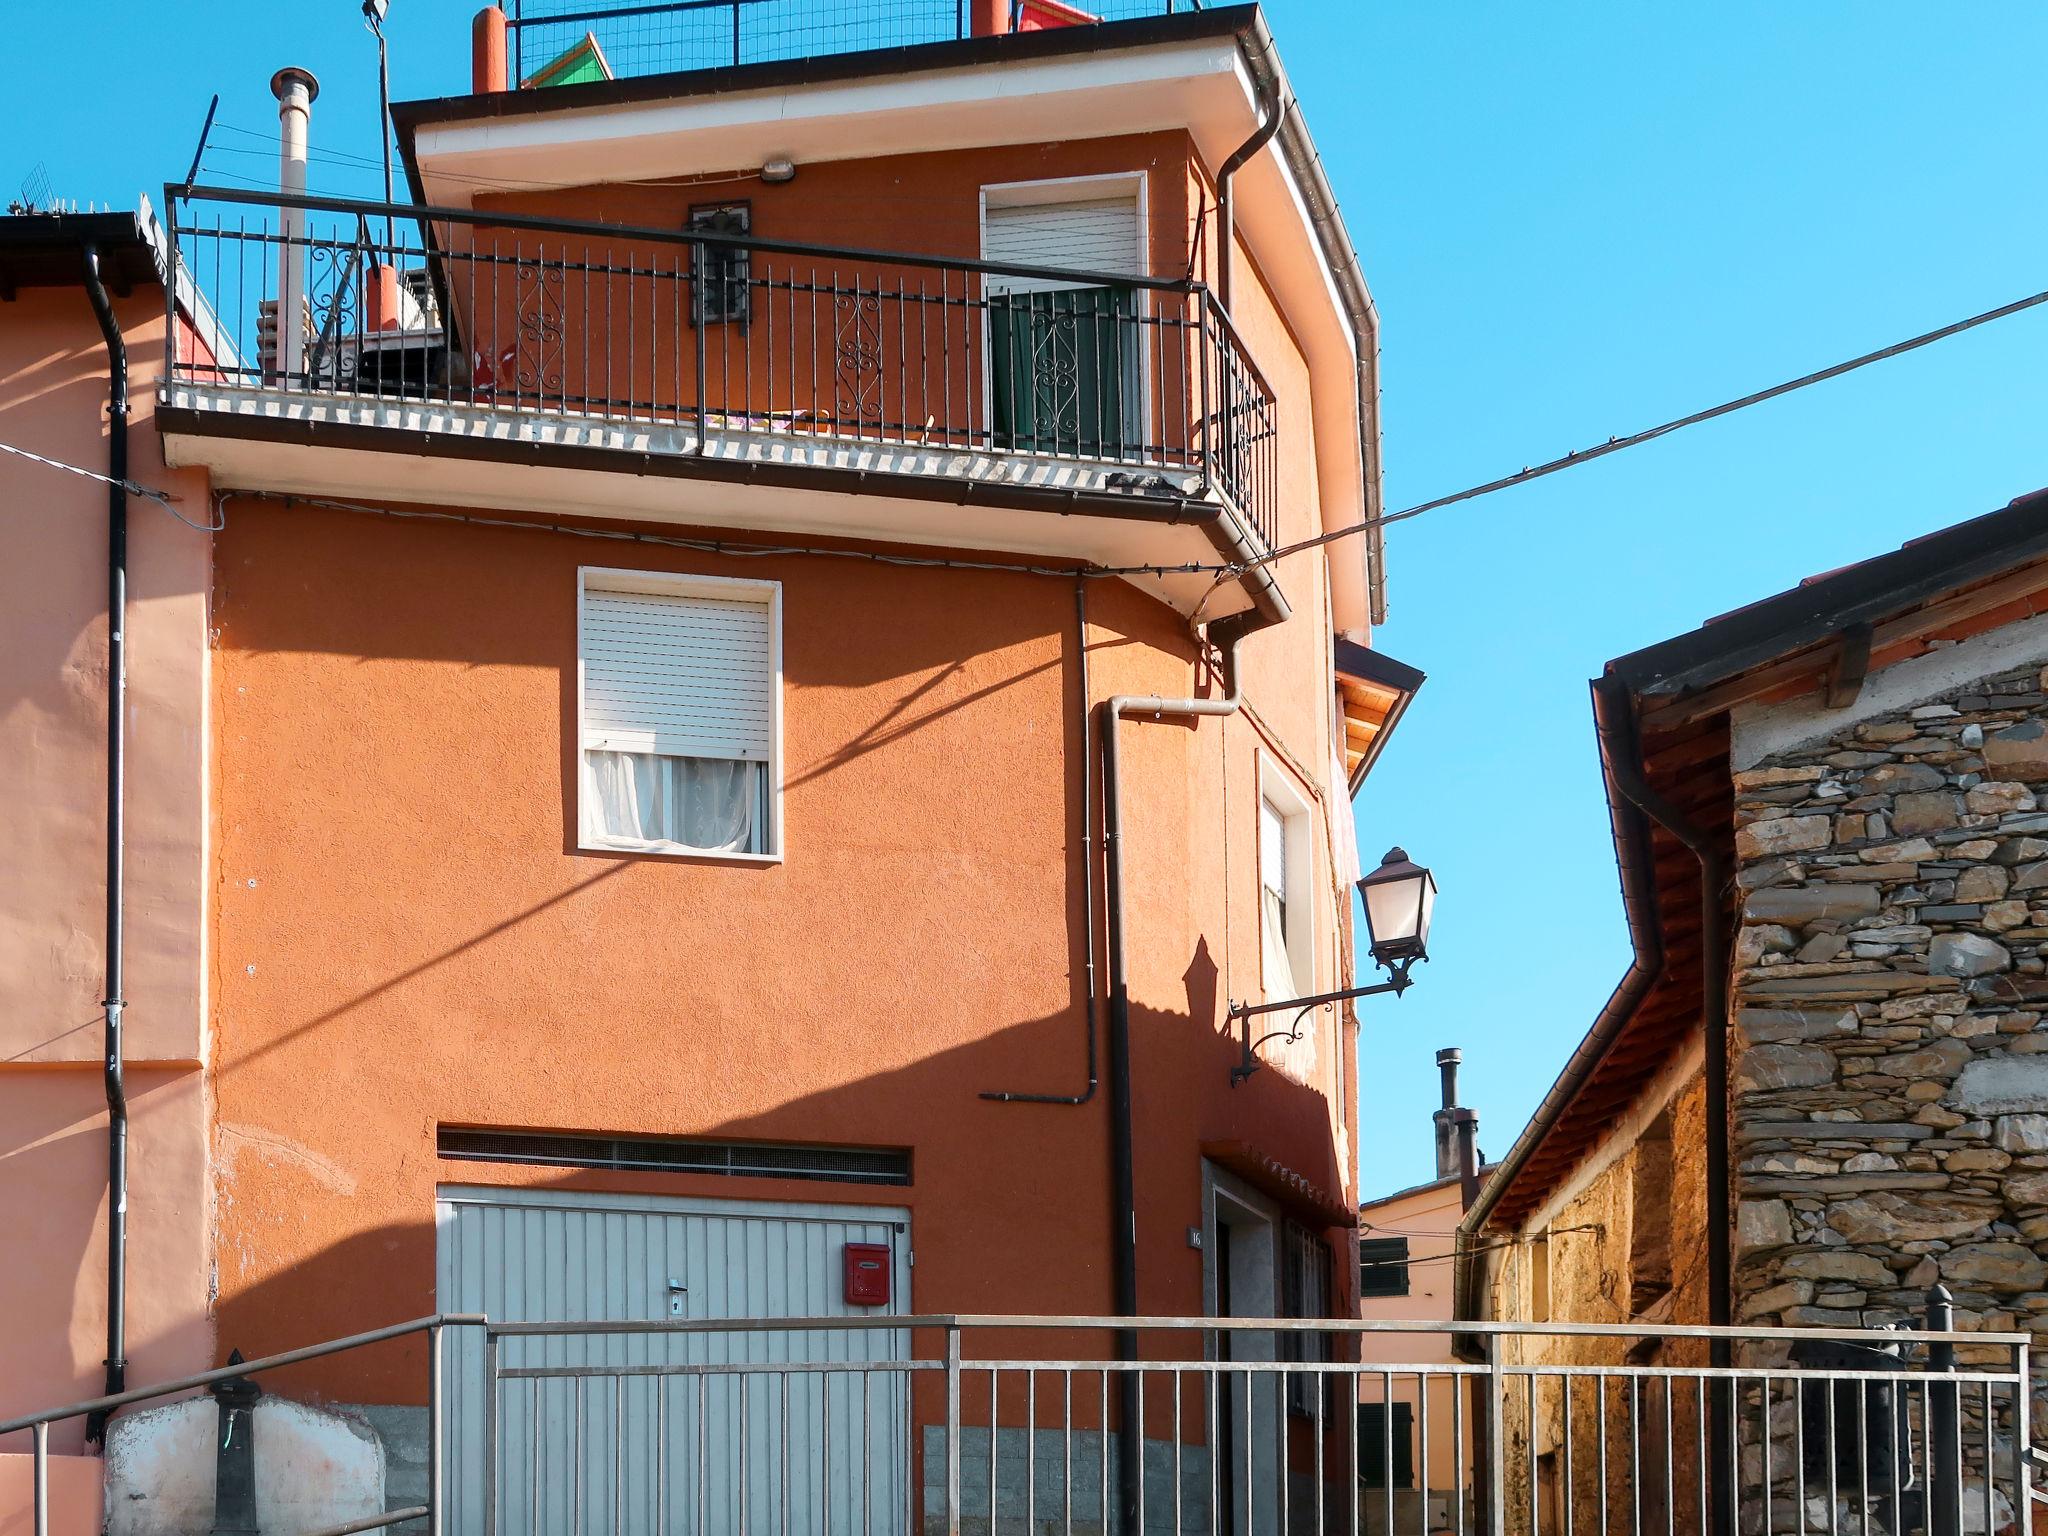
x=732, y=1159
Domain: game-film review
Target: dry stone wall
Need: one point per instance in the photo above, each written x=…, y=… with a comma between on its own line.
x=1890, y=1062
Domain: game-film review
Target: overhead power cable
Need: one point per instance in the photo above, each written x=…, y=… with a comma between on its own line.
x=133, y=488
x=1223, y=573
x=1649, y=434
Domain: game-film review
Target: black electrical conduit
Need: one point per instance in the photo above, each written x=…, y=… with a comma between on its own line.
x=117, y=710
x=1085, y=709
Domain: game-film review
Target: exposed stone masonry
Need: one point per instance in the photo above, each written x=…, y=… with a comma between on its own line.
x=1890, y=1061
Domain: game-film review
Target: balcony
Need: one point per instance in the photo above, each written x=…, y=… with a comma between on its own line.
x=487, y=359
x=560, y=41
x=874, y=1425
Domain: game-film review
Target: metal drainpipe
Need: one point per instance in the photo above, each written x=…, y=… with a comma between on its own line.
x=1087, y=868
x=1226, y=633
x=117, y=710
x=1714, y=877
x=1226, y=197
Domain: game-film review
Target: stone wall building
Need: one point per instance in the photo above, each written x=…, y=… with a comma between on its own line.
x=1822, y=1087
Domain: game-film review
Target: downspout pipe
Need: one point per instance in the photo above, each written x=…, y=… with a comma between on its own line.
x=1625, y=771
x=1226, y=635
x=1270, y=108
x=117, y=713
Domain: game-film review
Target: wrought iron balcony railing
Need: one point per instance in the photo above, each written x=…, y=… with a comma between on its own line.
x=1132, y=385
x=883, y=1426
x=650, y=39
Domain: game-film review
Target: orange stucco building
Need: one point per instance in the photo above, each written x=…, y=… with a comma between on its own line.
x=776, y=744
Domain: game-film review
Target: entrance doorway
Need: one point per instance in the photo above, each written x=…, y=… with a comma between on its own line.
x=1242, y=1274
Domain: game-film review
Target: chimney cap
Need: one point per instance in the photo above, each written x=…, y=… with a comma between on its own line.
x=1449, y=1056
x=291, y=75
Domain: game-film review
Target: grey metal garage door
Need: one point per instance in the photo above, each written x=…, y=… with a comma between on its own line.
x=672, y=1434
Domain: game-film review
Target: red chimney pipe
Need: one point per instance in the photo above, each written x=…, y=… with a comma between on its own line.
x=487, y=52
x=991, y=17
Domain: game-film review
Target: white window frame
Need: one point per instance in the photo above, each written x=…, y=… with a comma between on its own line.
x=685, y=584
x=1105, y=187
x=1278, y=787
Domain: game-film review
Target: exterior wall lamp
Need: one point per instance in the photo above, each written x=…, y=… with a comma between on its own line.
x=1400, y=900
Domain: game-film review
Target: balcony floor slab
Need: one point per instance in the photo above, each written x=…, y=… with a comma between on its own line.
x=737, y=476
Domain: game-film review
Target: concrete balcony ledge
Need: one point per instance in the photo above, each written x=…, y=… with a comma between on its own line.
x=739, y=473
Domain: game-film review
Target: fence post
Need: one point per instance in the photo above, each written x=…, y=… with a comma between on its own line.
x=490, y=1432
x=1207, y=420
x=435, y=1460
x=2022, y=1441
x=700, y=306
x=171, y=265
x=1496, y=1437
x=41, y=1495
x=953, y=1430
x=1944, y=1423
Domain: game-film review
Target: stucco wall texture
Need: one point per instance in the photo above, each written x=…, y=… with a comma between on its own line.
x=408, y=936
x=53, y=675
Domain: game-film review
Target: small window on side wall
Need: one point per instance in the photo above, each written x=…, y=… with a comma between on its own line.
x=680, y=709
x=721, y=293
x=1286, y=908
x=1383, y=1266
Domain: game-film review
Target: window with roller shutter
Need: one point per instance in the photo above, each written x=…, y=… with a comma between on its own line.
x=680, y=714
x=1066, y=360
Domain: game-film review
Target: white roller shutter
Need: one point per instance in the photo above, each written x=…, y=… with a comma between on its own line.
x=682, y=674
x=1098, y=235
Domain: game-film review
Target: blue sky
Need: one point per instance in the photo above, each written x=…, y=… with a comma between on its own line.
x=1579, y=219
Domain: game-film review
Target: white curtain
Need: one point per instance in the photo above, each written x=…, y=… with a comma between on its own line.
x=1278, y=970
x=642, y=800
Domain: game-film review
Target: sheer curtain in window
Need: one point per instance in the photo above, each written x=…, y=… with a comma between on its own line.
x=644, y=800
x=1277, y=969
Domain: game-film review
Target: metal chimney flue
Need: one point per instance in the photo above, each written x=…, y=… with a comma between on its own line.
x=1447, y=1063
x=295, y=90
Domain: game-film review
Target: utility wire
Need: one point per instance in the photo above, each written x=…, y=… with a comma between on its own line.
x=1222, y=572
x=161, y=498
x=1650, y=434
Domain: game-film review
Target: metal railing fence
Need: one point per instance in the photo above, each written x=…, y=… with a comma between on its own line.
x=434, y=1329
x=664, y=38
x=972, y=366
x=885, y=1426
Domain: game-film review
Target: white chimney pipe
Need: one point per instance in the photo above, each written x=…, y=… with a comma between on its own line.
x=295, y=90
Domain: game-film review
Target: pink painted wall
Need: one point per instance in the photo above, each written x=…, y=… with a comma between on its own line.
x=74, y=1486
x=52, y=762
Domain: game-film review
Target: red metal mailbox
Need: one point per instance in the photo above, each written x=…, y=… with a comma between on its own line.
x=867, y=1274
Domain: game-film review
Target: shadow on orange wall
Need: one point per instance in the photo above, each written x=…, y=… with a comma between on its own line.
x=970, y=1209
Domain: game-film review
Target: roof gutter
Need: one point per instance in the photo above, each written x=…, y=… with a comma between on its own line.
x=1298, y=151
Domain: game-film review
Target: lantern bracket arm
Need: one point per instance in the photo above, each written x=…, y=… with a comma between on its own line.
x=1397, y=982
